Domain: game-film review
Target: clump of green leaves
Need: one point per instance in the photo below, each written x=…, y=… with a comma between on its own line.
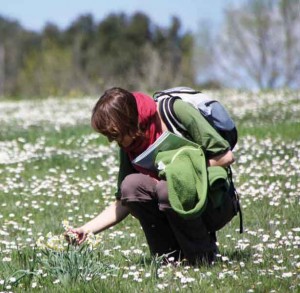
x=75, y=264
x=69, y=266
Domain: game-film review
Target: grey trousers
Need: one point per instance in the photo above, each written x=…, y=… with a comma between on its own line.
x=166, y=232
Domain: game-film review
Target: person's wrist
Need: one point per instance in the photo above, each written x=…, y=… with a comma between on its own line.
x=86, y=229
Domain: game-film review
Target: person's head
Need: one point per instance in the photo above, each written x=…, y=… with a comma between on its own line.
x=115, y=115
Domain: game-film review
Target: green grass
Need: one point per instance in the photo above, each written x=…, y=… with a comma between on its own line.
x=282, y=130
x=70, y=173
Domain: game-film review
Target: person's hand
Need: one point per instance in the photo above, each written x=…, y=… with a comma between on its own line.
x=76, y=236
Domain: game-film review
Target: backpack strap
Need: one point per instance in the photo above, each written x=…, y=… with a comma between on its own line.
x=236, y=200
x=167, y=113
x=165, y=100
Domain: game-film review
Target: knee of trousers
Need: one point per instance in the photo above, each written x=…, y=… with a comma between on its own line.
x=134, y=188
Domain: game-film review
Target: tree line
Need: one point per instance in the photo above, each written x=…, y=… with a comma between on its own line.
x=129, y=51
x=257, y=45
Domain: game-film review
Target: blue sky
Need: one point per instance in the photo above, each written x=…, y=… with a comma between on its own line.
x=34, y=14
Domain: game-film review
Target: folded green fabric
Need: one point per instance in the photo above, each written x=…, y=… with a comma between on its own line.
x=189, y=180
x=186, y=175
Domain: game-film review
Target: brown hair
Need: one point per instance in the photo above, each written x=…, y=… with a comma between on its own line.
x=115, y=114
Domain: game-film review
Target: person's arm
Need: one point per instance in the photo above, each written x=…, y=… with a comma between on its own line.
x=217, y=149
x=223, y=160
x=112, y=215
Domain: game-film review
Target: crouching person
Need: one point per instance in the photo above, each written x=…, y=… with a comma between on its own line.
x=132, y=119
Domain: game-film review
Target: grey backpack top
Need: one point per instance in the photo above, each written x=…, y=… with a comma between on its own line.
x=213, y=111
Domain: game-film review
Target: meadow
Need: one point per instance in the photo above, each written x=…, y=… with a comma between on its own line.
x=56, y=171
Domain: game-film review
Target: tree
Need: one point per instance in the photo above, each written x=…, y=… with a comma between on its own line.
x=11, y=35
x=2, y=71
x=47, y=72
x=175, y=54
x=203, y=57
x=260, y=44
x=290, y=11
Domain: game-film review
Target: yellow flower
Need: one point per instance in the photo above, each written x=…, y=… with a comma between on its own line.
x=66, y=225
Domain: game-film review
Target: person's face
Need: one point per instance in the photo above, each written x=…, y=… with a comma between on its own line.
x=124, y=141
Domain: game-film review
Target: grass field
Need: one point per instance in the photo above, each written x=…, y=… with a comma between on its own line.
x=53, y=167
